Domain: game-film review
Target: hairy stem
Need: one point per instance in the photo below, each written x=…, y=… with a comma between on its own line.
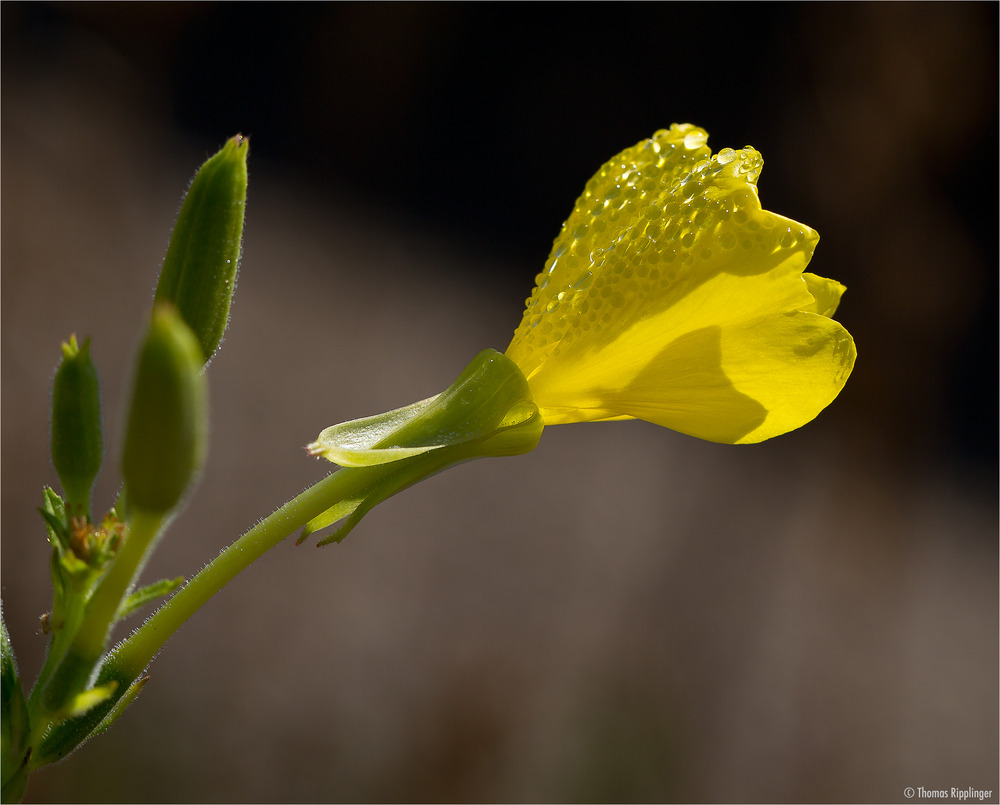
x=133, y=654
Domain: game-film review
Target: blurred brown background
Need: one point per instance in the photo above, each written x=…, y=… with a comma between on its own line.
x=625, y=614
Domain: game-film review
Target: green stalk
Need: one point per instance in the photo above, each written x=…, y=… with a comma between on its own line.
x=129, y=658
x=134, y=653
x=486, y=412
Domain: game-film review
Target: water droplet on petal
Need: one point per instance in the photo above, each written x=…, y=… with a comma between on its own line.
x=695, y=139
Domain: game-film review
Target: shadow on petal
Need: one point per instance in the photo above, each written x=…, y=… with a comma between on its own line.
x=684, y=388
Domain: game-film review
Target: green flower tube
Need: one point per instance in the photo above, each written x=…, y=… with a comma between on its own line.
x=486, y=412
x=77, y=433
x=166, y=434
x=199, y=270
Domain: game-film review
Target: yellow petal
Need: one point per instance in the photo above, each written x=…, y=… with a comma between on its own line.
x=737, y=385
x=672, y=296
x=826, y=294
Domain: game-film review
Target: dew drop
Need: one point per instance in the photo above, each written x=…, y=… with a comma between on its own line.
x=695, y=139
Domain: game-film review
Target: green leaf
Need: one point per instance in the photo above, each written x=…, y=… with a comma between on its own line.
x=120, y=706
x=353, y=509
x=53, y=511
x=85, y=701
x=149, y=593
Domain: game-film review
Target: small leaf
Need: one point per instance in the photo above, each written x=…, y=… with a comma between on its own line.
x=87, y=700
x=120, y=706
x=151, y=592
x=343, y=509
x=53, y=511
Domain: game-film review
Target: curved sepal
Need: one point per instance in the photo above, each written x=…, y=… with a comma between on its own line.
x=357, y=443
x=487, y=411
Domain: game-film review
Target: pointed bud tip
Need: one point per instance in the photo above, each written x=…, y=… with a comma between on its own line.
x=71, y=347
x=239, y=145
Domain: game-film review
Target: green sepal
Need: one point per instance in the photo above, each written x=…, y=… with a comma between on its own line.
x=15, y=727
x=147, y=594
x=77, y=431
x=491, y=395
x=487, y=411
x=167, y=430
x=361, y=442
x=199, y=270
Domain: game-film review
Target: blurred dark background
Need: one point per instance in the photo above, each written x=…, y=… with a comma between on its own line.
x=626, y=614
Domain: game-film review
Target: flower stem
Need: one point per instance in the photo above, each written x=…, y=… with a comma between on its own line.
x=133, y=654
x=486, y=412
x=126, y=661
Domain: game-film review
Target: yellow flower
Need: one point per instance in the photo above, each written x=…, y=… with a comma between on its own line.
x=671, y=296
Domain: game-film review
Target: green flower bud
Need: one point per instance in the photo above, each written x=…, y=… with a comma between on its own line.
x=166, y=434
x=77, y=434
x=199, y=271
